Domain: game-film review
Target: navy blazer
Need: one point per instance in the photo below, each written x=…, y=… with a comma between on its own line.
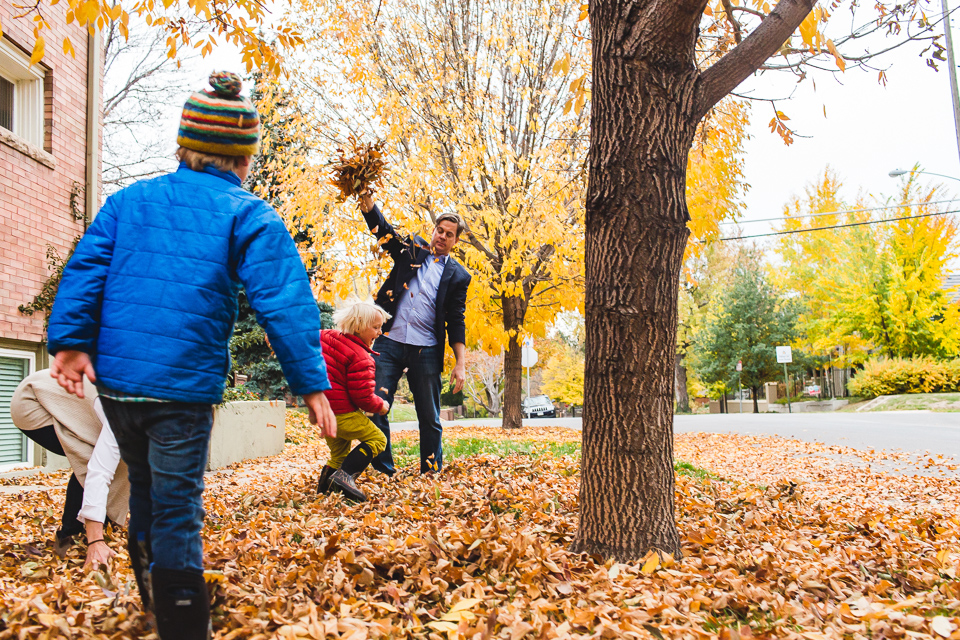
x=408, y=254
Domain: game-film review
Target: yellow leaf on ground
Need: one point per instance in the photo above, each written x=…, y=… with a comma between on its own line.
x=651, y=563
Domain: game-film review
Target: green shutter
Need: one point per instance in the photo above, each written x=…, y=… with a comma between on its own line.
x=13, y=444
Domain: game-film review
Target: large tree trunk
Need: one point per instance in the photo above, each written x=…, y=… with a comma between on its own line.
x=642, y=127
x=513, y=311
x=683, y=398
x=647, y=100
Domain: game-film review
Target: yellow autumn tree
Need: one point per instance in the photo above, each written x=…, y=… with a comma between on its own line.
x=715, y=180
x=871, y=286
x=715, y=190
x=563, y=376
x=474, y=101
x=242, y=23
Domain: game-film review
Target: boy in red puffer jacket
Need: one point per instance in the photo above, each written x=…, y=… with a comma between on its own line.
x=352, y=374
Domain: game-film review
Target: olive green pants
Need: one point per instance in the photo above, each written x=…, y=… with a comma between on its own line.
x=354, y=426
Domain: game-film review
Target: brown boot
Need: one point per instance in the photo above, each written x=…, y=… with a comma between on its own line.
x=343, y=480
x=323, y=484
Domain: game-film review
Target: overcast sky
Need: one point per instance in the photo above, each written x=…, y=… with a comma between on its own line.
x=868, y=131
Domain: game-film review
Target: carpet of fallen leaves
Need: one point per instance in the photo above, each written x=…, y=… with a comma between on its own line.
x=788, y=540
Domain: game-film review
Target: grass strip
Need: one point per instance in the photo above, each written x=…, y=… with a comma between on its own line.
x=407, y=452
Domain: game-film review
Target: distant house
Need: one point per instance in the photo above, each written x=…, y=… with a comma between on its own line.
x=952, y=285
x=49, y=185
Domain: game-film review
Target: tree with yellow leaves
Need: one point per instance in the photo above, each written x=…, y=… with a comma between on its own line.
x=715, y=189
x=873, y=287
x=473, y=99
x=563, y=376
x=242, y=23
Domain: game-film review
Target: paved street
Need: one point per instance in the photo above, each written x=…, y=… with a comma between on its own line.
x=904, y=430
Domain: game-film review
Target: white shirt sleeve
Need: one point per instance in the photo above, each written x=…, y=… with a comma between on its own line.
x=100, y=470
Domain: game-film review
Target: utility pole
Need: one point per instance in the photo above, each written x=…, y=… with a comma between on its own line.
x=948, y=32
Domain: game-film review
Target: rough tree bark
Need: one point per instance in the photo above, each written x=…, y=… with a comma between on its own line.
x=648, y=97
x=513, y=312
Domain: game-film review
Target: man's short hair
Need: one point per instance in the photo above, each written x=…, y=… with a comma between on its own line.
x=197, y=160
x=455, y=219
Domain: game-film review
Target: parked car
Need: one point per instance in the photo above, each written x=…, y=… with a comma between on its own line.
x=539, y=407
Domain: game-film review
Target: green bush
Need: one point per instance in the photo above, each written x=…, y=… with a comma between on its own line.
x=906, y=375
x=236, y=394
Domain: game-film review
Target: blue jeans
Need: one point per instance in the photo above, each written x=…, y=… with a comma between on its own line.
x=165, y=447
x=424, y=366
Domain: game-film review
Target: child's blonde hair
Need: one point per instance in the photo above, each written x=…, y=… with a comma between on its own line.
x=357, y=315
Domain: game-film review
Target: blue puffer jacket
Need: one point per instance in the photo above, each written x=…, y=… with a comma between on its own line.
x=151, y=290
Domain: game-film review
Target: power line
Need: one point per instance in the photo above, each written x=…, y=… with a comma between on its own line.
x=834, y=213
x=838, y=226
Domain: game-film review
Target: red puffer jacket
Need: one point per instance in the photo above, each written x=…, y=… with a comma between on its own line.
x=352, y=373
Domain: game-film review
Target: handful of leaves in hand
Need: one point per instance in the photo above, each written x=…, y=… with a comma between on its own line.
x=358, y=167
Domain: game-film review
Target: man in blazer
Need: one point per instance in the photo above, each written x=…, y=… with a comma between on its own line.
x=426, y=295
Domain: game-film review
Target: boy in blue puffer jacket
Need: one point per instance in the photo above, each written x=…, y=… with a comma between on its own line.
x=145, y=309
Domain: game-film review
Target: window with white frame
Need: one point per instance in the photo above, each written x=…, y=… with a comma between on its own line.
x=21, y=95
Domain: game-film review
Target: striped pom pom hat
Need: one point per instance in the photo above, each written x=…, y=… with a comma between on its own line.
x=220, y=122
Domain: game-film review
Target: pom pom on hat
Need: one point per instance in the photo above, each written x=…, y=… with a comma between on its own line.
x=220, y=122
x=226, y=84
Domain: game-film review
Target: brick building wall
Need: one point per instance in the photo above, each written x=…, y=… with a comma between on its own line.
x=38, y=184
x=43, y=175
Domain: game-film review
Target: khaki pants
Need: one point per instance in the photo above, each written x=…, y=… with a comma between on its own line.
x=354, y=426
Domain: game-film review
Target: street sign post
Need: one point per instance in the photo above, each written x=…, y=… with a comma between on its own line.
x=785, y=356
x=740, y=386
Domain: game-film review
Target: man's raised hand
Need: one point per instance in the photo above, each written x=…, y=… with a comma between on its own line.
x=69, y=367
x=321, y=414
x=366, y=200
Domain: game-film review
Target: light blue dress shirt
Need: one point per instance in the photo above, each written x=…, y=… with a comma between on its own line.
x=417, y=309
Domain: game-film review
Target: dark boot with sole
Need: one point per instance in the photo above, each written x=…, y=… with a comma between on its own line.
x=343, y=479
x=70, y=527
x=323, y=485
x=181, y=603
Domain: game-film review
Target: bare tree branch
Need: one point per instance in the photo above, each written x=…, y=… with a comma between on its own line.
x=142, y=87
x=737, y=65
x=728, y=9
